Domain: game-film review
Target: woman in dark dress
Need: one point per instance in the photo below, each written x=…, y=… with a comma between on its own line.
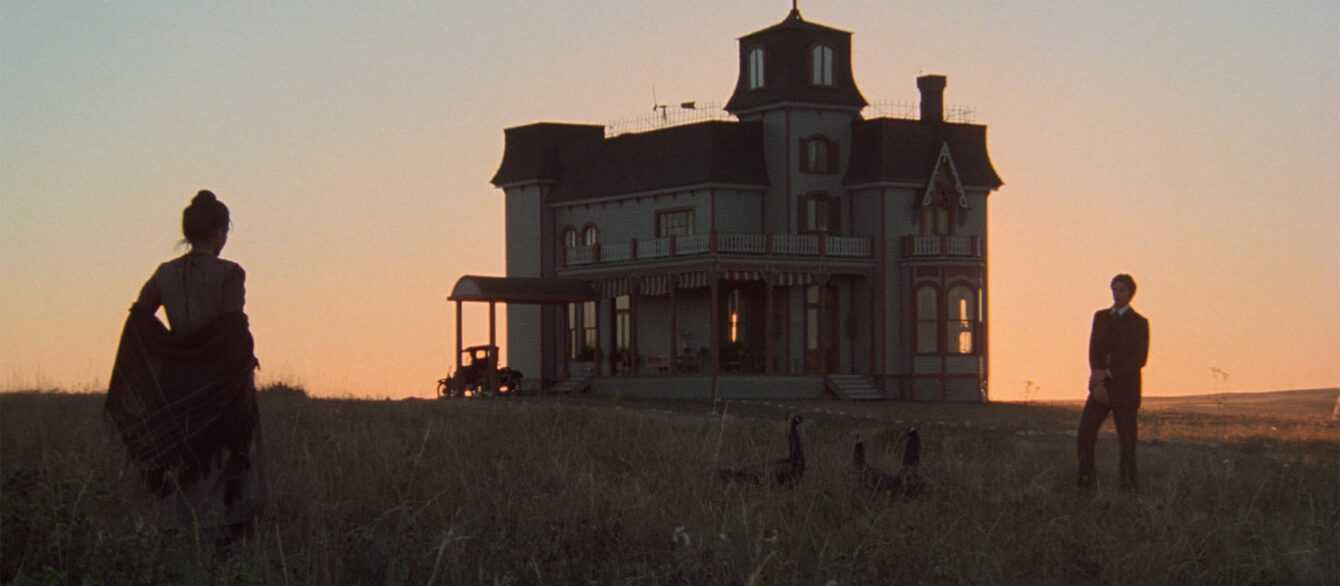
x=184, y=399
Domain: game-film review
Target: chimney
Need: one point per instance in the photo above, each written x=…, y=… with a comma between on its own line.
x=932, y=97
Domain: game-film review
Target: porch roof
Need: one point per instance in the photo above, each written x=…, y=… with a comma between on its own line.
x=522, y=290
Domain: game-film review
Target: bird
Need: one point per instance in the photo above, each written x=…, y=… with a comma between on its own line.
x=907, y=480
x=784, y=471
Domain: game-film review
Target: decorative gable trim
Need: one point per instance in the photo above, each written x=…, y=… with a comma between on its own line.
x=944, y=177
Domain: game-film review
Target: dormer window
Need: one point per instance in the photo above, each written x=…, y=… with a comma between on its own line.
x=755, y=68
x=821, y=65
x=818, y=155
x=590, y=235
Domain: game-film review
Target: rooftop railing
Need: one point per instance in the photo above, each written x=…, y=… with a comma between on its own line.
x=797, y=245
x=666, y=116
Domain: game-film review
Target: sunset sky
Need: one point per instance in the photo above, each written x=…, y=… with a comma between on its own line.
x=1193, y=144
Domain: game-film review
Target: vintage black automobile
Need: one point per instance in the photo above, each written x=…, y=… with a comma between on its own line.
x=473, y=378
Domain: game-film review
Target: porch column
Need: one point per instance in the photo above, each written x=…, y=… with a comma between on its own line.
x=674, y=324
x=716, y=335
x=767, y=324
x=458, y=337
x=874, y=319
x=599, y=358
x=634, y=315
x=493, y=341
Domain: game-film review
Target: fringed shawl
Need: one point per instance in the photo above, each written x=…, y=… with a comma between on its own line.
x=183, y=403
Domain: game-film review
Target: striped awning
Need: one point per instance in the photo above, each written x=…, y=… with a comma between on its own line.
x=611, y=288
x=791, y=279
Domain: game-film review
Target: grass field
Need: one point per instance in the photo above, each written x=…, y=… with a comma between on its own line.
x=1241, y=489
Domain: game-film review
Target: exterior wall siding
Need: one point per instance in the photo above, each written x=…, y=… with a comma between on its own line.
x=525, y=256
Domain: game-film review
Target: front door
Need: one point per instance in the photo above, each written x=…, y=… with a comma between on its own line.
x=821, y=343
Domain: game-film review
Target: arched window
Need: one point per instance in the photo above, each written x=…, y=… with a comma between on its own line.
x=927, y=322
x=962, y=317
x=590, y=235
x=755, y=68
x=818, y=155
x=821, y=65
x=569, y=238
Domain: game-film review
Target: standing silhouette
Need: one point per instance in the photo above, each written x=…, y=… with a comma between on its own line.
x=184, y=399
x=1118, y=349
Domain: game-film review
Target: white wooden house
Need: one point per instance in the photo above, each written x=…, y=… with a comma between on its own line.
x=795, y=250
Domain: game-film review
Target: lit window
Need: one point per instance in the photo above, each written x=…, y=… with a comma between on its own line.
x=821, y=65
x=926, y=320
x=674, y=223
x=755, y=69
x=733, y=306
x=961, y=318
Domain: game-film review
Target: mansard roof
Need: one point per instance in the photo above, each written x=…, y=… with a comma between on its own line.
x=532, y=152
x=893, y=149
x=720, y=152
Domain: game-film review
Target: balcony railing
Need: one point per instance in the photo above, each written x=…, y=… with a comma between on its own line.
x=942, y=246
x=807, y=245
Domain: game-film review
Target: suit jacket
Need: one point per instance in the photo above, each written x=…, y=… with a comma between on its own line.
x=1120, y=343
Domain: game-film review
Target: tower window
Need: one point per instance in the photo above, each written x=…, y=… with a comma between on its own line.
x=818, y=155
x=962, y=318
x=821, y=65
x=755, y=69
x=818, y=213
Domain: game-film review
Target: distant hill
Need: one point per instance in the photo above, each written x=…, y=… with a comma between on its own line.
x=1307, y=402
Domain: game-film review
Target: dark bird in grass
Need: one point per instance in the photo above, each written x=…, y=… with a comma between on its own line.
x=783, y=472
x=907, y=480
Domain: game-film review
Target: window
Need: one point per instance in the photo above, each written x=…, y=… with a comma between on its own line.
x=935, y=221
x=674, y=223
x=755, y=69
x=818, y=155
x=590, y=235
x=812, y=318
x=821, y=65
x=926, y=320
x=569, y=238
x=962, y=317
x=589, y=333
x=817, y=213
x=573, y=347
x=622, y=323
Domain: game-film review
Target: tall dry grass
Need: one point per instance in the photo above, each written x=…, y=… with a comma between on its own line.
x=586, y=491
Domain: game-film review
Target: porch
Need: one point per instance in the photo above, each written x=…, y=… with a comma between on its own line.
x=721, y=330
x=707, y=388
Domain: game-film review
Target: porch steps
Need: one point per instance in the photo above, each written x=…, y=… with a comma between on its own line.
x=579, y=381
x=852, y=387
x=576, y=384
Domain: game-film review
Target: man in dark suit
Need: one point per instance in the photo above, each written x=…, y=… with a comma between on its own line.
x=1118, y=348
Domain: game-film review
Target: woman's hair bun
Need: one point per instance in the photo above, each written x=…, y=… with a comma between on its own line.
x=203, y=197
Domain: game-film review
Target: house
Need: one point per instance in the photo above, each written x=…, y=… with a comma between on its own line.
x=797, y=249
